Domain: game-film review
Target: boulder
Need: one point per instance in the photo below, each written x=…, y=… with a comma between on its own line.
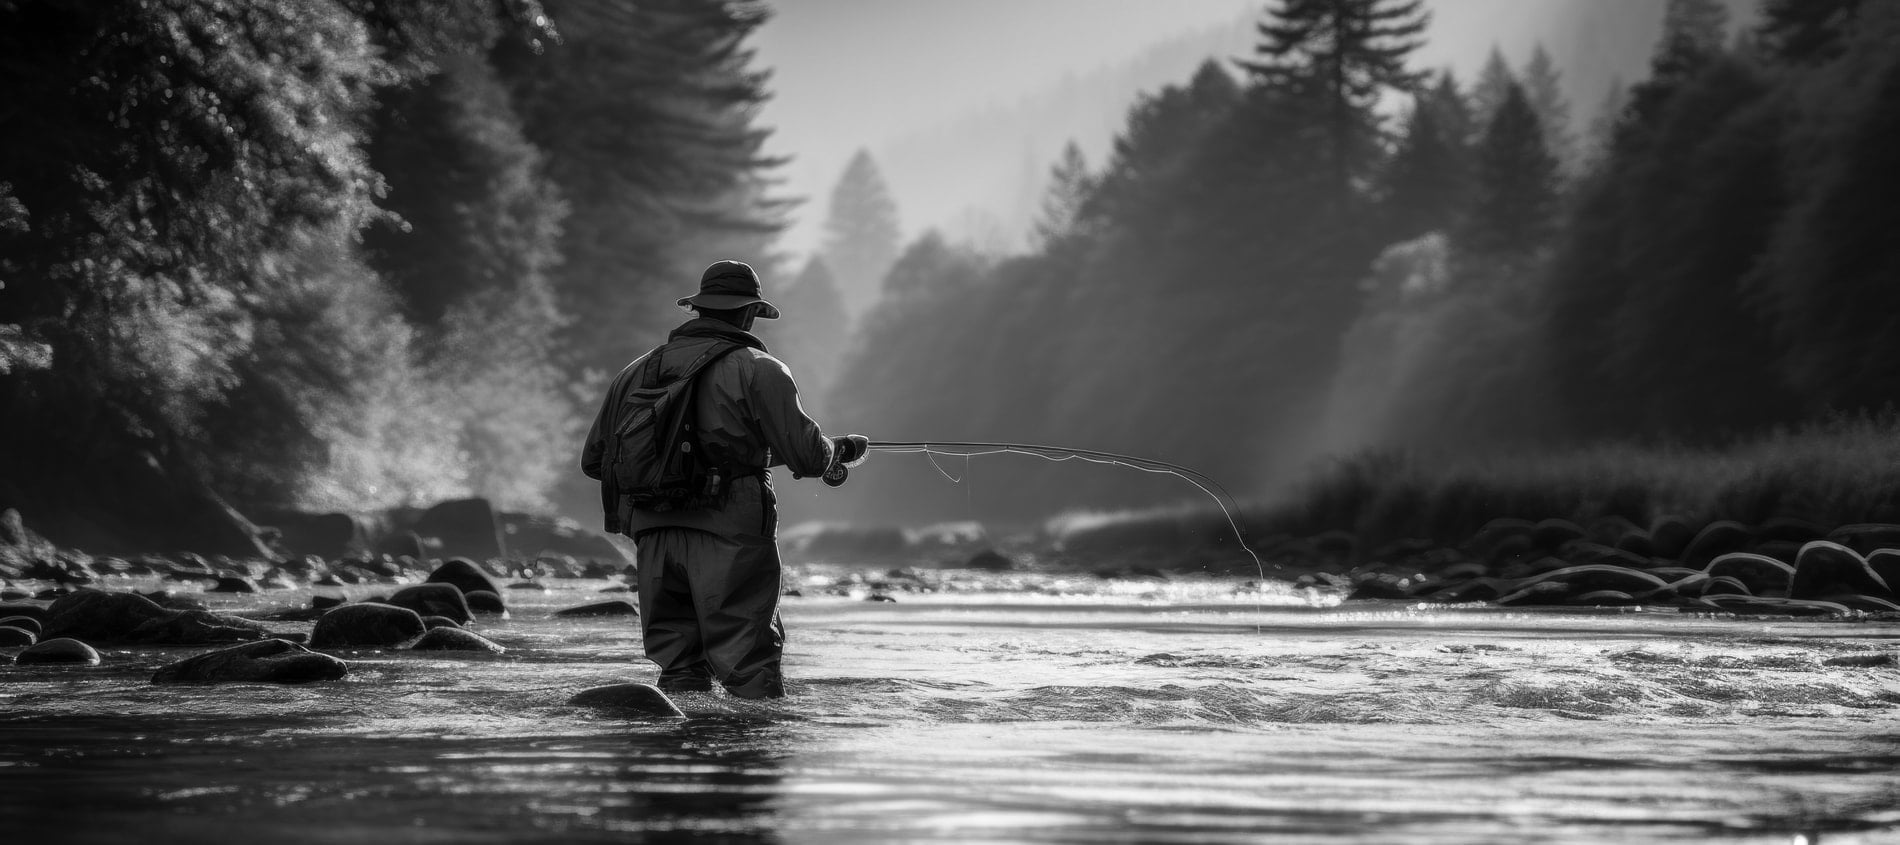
x=11, y=637
x=1761, y=574
x=1865, y=661
x=233, y=584
x=455, y=639
x=1595, y=577
x=400, y=544
x=131, y=618
x=434, y=600
x=1603, y=598
x=529, y=585
x=1717, y=538
x=326, y=535
x=1790, y=529
x=547, y=536
x=367, y=624
x=1725, y=585
x=1867, y=536
x=1553, y=533
x=464, y=575
x=35, y=612
x=23, y=622
x=615, y=607
x=1826, y=568
x=989, y=560
x=327, y=602
x=464, y=527
x=483, y=601
x=433, y=622
x=271, y=661
x=634, y=699
x=1670, y=535
x=59, y=650
x=1884, y=562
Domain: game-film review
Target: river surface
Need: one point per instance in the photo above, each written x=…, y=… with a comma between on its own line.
x=1013, y=709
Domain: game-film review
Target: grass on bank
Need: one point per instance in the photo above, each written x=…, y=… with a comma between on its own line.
x=1841, y=471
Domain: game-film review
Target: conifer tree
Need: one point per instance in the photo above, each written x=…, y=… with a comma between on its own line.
x=1544, y=89
x=1806, y=31
x=1067, y=194
x=1514, y=198
x=1336, y=59
x=1426, y=180
x=861, y=232
x=646, y=115
x=812, y=337
x=1487, y=94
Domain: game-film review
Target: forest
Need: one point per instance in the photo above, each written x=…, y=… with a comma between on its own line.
x=332, y=255
x=1283, y=280
x=349, y=255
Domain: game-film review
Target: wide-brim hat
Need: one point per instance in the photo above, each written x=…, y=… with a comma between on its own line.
x=727, y=285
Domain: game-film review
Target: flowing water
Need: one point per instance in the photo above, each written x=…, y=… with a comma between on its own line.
x=1005, y=708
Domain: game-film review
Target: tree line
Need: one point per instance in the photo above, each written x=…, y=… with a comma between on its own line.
x=1270, y=267
x=347, y=254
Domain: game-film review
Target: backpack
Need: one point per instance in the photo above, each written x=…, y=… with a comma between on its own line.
x=653, y=459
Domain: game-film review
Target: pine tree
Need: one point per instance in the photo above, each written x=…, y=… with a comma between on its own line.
x=1062, y=204
x=1426, y=181
x=1493, y=85
x=1514, y=201
x=812, y=336
x=861, y=233
x=1543, y=87
x=1336, y=59
x=1806, y=32
x=1451, y=110
x=646, y=114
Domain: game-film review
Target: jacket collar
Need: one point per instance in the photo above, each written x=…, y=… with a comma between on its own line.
x=709, y=327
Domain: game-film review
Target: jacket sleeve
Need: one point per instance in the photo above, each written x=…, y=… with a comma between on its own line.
x=795, y=440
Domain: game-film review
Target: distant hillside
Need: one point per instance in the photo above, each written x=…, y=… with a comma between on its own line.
x=980, y=175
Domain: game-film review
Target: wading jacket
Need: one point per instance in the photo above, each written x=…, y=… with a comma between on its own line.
x=747, y=414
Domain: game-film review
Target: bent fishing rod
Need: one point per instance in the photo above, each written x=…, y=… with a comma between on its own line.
x=931, y=449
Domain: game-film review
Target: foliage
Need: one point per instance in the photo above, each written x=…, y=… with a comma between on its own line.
x=861, y=232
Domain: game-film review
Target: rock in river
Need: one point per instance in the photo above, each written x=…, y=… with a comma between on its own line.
x=26, y=623
x=465, y=575
x=265, y=661
x=483, y=601
x=60, y=650
x=11, y=637
x=640, y=699
x=434, y=600
x=127, y=617
x=366, y=624
x=455, y=639
x=605, y=608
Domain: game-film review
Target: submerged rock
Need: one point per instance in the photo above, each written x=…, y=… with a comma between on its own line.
x=1881, y=658
x=1761, y=574
x=464, y=575
x=366, y=624
x=1827, y=569
x=60, y=650
x=455, y=639
x=483, y=601
x=434, y=600
x=638, y=699
x=233, y=584
x=128, y=617
x=616, y=607
x=272, y=661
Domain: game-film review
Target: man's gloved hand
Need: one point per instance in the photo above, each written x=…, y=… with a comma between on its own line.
x=851, y=449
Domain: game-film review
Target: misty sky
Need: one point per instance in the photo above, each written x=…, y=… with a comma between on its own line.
x=866, y=73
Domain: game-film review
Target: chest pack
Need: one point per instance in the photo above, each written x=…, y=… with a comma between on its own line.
x=654, y=457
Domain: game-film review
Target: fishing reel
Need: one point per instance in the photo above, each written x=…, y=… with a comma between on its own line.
x=835, y=475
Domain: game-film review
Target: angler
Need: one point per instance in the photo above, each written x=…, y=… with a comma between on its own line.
x=683, y=447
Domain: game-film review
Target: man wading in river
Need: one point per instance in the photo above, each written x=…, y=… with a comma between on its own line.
x=693, y=488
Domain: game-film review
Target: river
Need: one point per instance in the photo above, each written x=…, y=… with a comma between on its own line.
x=1002, y=708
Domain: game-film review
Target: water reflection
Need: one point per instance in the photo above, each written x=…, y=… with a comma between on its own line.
x=718, y=775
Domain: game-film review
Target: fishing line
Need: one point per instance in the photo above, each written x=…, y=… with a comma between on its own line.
x=1058, y=454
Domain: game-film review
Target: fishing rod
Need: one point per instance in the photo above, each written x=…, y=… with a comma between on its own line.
x=966, y=450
